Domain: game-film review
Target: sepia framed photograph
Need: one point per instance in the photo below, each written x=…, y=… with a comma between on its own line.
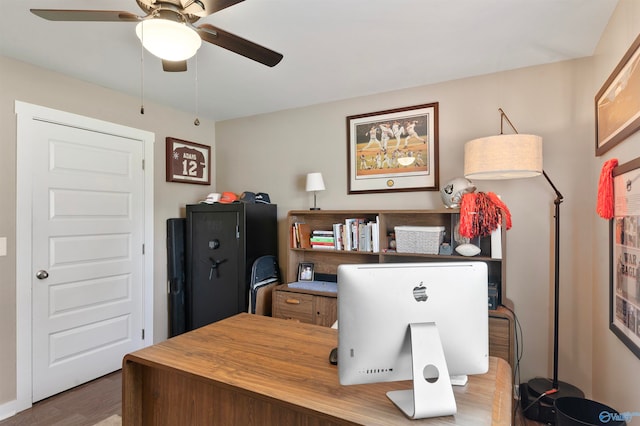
x=188, y=162
x=305, y=271
x=393, y=150
x=624, y=290
x=618, y=103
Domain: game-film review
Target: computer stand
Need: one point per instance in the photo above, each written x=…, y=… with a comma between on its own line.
x=432, y=395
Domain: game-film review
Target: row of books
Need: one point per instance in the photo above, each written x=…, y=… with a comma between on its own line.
x=355, y=234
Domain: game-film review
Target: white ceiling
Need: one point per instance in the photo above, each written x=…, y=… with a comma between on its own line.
x=333, y=49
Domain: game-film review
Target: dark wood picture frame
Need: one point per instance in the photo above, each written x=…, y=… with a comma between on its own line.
x=617, y=102
x=380, y=144
x=624, y=248
x=188, y=162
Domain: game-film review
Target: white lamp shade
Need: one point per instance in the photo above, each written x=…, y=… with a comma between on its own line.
x=166, y=39
x=315, y=182
x=503, y=157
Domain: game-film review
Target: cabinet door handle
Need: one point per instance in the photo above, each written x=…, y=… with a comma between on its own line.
x=293, y=301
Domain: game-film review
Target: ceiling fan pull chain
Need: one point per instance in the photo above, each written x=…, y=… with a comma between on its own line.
x=142, y=73
x=196, y=122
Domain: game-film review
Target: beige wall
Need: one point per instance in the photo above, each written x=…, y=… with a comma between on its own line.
x=273, y=152
x=19, y=81
x=616, y=371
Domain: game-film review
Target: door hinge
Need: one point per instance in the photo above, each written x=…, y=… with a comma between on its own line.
x=143, y=164
x=143, y=334
x=237, y=232
x=143, y=249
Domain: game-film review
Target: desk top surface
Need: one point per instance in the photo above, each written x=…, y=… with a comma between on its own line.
x=287, y=361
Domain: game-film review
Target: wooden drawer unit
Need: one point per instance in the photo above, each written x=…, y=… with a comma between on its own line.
x=305, y=306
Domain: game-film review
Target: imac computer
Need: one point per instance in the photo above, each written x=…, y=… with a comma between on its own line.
x=426, y=322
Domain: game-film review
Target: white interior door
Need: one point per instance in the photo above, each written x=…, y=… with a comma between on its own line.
x=87, y=254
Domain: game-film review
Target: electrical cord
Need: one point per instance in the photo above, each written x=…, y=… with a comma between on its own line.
x=519, y=341
x=542, y=395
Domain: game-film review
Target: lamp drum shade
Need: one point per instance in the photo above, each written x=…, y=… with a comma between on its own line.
x=503, y=157
x=315, y=182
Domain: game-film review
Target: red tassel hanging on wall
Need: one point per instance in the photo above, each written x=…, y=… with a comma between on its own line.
x=604, y=205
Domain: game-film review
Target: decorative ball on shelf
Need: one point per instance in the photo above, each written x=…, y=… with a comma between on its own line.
x=453, y=191
x=468, y=250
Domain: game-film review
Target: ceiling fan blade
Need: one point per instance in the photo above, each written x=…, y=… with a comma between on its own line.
x=174, y=66
x=86, y=15
x=206, y=7
x=239, y=45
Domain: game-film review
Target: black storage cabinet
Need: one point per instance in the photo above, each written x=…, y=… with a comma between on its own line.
x=222, y=242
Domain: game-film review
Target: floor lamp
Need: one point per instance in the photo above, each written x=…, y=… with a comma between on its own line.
x=520, y=156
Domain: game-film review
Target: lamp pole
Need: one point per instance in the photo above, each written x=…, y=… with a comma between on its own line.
x=545, y=389
x=556, y=308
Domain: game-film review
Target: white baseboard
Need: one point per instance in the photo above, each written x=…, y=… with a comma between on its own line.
x=8, y=409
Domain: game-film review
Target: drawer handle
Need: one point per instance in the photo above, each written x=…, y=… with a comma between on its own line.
x=293, y=301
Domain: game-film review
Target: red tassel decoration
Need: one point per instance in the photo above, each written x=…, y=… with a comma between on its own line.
x=503, y=208
x=467, y=211
x=604, y=206
x=481, y=214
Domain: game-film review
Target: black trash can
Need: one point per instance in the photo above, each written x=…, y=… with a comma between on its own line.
x=573, y=411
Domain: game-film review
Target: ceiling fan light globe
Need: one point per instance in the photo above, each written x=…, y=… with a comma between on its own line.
x=169, y=40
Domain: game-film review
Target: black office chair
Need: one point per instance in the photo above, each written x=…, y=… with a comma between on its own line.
x=265, y=275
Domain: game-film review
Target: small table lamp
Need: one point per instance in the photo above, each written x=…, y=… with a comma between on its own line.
x=315, y=184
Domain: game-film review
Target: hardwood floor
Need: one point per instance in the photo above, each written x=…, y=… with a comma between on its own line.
x=84, y=405
x=92, y=402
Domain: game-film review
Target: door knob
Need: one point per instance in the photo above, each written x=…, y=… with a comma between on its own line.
x=42, y=274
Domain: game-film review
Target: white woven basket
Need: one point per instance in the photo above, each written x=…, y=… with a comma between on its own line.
x=419, y=239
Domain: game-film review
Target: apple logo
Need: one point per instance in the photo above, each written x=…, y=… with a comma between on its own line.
x=420, y=293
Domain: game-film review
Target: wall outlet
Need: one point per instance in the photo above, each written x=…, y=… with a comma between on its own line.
x=3, y=246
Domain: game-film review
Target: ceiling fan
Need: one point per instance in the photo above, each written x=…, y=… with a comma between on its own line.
x=167, y=29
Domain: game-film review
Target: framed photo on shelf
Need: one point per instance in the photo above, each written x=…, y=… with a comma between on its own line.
x=188, y=162
x=624, y=291
x=305, y=271
x=393, y=150
x=618, y=103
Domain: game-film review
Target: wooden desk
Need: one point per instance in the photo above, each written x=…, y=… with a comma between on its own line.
x=255, y=370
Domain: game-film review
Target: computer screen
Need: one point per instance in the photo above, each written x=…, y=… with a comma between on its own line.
x=377, y=303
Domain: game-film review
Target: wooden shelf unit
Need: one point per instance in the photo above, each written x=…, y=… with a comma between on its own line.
x=501, y=321
x=327, y=261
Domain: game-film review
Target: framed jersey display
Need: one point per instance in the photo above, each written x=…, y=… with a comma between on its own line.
x=188, y=162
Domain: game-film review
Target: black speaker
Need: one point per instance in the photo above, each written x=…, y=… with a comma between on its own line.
x=176, y=229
